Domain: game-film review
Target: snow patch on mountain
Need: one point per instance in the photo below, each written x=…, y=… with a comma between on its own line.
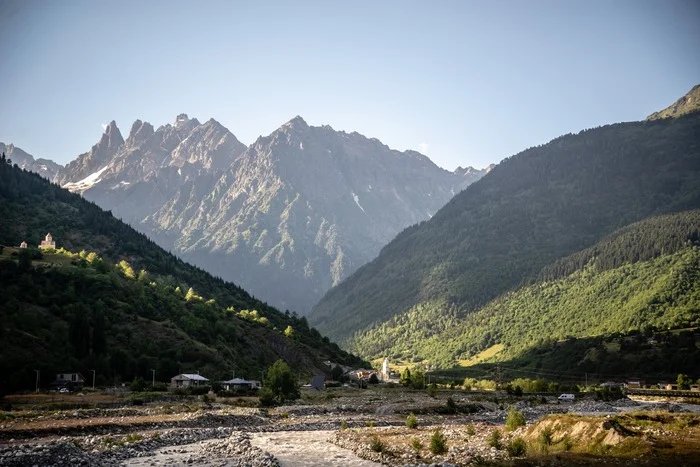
x=357, y=201
x=88, y=182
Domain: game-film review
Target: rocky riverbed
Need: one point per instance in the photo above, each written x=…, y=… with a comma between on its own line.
x=324, y=429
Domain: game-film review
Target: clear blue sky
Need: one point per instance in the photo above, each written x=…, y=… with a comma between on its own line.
x=466, y=82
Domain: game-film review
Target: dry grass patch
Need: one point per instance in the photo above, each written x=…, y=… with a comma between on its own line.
x=662, y=436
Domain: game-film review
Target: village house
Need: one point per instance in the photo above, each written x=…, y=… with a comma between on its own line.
x=48, y=242
x=239, y=384
x=186, y=380
x=635, y=383
x=68, y=380
x=362, y=374
x=23, y=244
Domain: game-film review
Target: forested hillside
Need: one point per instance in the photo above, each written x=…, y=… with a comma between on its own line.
x=534, y=208
x=643, y=278
x=124, y=306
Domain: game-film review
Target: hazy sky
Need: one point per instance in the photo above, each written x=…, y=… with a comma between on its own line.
x=465, y=82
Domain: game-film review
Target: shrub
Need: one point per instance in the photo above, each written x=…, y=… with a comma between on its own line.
x=416, y=444
x=545, y=439
x=267, y=397
x=281, y=381
x=514, y=420
x=133, y=437
x=471, y=431
x=438, y=443
x=609, y=394
x=411, y=421
x=495, y=439
x=138, y=384
x=160, y=387
x=376, y=444
x=432, y=390
x=343, y=425
x=369, y=423
x=567, y=443
x=516, y=447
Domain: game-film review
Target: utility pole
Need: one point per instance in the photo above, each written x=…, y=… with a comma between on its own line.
x=37, y=381
x=498, y=376
x=233, y=374
x=586, y=379
x=153, y=382
x=93, y=379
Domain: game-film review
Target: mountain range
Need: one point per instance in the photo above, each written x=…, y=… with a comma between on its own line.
x=534, y=208
x=286, y=218
x=112, y=301
x=590, y=236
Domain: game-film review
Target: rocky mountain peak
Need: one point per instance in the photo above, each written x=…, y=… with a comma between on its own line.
x=111, y=138
x=43, y=167
x=140, y=131
x=297, y=123
x=182, y=121
x=213, y=123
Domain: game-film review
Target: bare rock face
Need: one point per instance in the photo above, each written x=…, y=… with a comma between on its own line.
x=92, y=161
x=44, y=167
x=286, y=218
x=300, y=210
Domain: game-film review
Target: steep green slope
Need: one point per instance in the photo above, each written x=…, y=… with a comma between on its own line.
x=78, y=313
x=644, y=277
x=540, y=205
x=687, y=104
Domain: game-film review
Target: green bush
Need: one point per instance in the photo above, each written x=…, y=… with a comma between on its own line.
x=411, y=421
x=609, y=394
x=567, y=443
x=343, y=425
x=281, y=381
x=138, y=384
x=514, y=419
x=495, y=439
x=516, y=447
x=267, y=397
x=416, y=444
x=376, y=444
x=471, y=431
x=199, y=390
x=438, y=442
x=159, y=386
x=545, y=439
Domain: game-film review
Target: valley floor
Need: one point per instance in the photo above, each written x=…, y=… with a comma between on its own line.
x=347, y=427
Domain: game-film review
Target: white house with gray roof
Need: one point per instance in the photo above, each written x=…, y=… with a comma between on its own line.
x=186, y=380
